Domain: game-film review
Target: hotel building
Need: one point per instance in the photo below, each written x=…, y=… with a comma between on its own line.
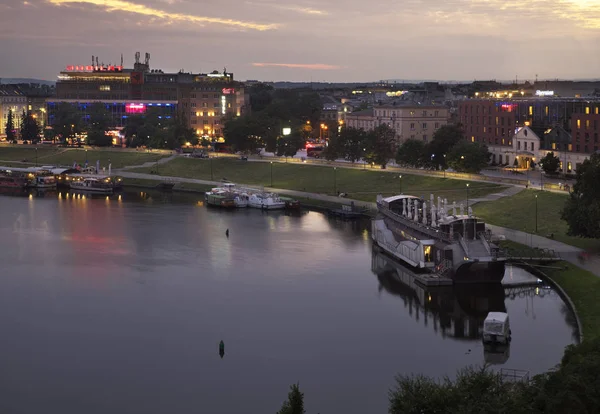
x=525, y=129
x=202, y=99
x=11, y=98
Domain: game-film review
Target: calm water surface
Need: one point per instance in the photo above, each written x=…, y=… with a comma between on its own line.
x=119, y=306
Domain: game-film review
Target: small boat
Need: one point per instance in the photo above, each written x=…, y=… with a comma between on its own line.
x=92, y=185
x=11, y=180
x=266, y=201
x=220, y=200
x=290, y=203
x=240, y=197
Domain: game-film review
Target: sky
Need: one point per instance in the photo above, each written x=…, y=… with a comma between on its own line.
x=308, y=40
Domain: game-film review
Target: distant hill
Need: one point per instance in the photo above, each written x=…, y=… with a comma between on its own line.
x=26, y=80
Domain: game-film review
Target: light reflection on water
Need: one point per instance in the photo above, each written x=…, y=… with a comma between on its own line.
x=118, y=306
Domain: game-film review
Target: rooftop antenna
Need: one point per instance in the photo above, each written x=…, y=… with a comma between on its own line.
x=147, y=60
x=536, y=78
x=121, y=59
x=92, y=60
x=97, y=64
x=137, y=57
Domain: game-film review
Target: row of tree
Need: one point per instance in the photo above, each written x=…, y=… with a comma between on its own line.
x=30, y=129
x=573, y=388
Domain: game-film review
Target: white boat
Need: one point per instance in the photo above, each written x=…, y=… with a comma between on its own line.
x=240, y=197
x=266, y=201
x=43, y=181
x=92, y=185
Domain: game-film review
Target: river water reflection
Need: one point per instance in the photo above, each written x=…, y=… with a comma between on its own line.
x=118, y=305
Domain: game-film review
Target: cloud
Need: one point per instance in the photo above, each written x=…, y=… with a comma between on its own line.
x=294, y=8
x=170, y=17
x=311, y=66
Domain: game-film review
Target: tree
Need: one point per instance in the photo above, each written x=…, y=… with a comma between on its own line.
x=260, y=96
x=99, y=117
x=381, y=143
x=30, y=129
x=550, y=163
x=295, y=402
x=10, y=126
x=443, y=141
x=353, y=143
x=67, y=121
x=99, y=138
x=582, y=209
x=413, y=153
x=469, y=157
x=289, y=145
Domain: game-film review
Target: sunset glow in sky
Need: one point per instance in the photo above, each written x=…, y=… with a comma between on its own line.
x=303, y=40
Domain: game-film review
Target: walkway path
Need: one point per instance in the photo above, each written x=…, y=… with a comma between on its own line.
x=149, y=164
x=567, y=252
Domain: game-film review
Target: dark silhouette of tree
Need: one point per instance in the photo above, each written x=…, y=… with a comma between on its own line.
x=469, y=157
x=582, y=209
x=550, y=163
x=67, y=121
x=30, y=129
x=289, y=145
x=10, y=126
x=442, y=142
x=353, y=143
x=381, y=143
x=295, y=402
x=413, y=153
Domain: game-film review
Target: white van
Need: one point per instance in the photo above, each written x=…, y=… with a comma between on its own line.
x=496, y=328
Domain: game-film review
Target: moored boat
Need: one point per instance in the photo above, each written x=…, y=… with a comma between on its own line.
x=290, y=203
x=12, y=181
x=92, y=185
x=427, y=236
x=240, y=196
x=220, y=200
x=266, y=201
x=42, y=179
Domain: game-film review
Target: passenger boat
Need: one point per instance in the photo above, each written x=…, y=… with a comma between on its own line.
x=220, y=200
x=240, y=196
x=266, y=201
x=427, y=236
x=290, y=203
x=42, y=179
x=12, y=180
x=92, y=185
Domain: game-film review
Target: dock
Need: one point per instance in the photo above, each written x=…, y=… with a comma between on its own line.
x=432, y=279
x=347, y=212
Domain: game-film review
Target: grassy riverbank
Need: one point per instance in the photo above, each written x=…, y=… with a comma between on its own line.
x=358, y=184
x=582, y=287
x=67, y=156
x=518, y=212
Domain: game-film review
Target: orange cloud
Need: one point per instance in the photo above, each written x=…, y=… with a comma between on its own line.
x=312, y=66
x=126, y=6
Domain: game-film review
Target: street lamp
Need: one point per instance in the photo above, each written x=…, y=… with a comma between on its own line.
x=86, y=158
x=467, y=199
x=271, y=173
x=364, y=161
x=400, y=177
x=334, y=180
x=36, y=159
x=536, y=213
x=211, y=170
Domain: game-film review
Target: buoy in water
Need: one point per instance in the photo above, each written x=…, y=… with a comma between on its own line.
x=222, y=349
x=227, y=232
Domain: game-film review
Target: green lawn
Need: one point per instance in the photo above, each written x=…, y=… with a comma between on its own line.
x=518, y=212
x=67, y=156
x=358, y=184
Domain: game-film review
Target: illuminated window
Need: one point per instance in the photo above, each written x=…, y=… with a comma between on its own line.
x=597, y=110
x=587, y=123
x=472, y=139
x=569, y=166
x=587, y=110
x=554, y=145
x=546, y=111
x=531, y=110
x=497, y=120
x=412, y=113
x=105, y=88
x=570, y=147
x=579, y=124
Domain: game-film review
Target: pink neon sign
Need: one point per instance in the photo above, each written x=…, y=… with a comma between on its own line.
x=133, y=108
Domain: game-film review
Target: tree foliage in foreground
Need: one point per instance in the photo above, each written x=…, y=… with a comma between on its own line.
x=10, y=126
x=413, y=153
x=469, y=157
x=582, y=209
x=295, y=402
x=550, y=163
x=573, y=388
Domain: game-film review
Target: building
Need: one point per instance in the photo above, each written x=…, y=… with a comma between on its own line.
x=11, y=98
x=409, y=120
x=495, y=122
x=202, y=99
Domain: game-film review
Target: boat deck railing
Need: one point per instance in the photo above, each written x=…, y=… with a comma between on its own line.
x=422, y=228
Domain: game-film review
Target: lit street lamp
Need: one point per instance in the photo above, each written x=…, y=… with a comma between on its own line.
x=36, y=159
x=467, y=198
x=400, y=177
x=271, y=173
x=85, y=163
x=211, y=170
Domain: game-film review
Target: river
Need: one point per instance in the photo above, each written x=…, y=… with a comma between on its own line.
x=118, y=305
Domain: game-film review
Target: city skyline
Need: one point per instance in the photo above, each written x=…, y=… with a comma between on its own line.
x=307, y=40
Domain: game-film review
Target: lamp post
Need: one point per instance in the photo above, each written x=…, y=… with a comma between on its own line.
x=335, y=180
x=85, y=163
x=467, y=199
x=36, y=160
x=445, y=166
x=271, y=173
x=536, y=213
x=364, y=161
x=400, y=178
x=211, y=170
